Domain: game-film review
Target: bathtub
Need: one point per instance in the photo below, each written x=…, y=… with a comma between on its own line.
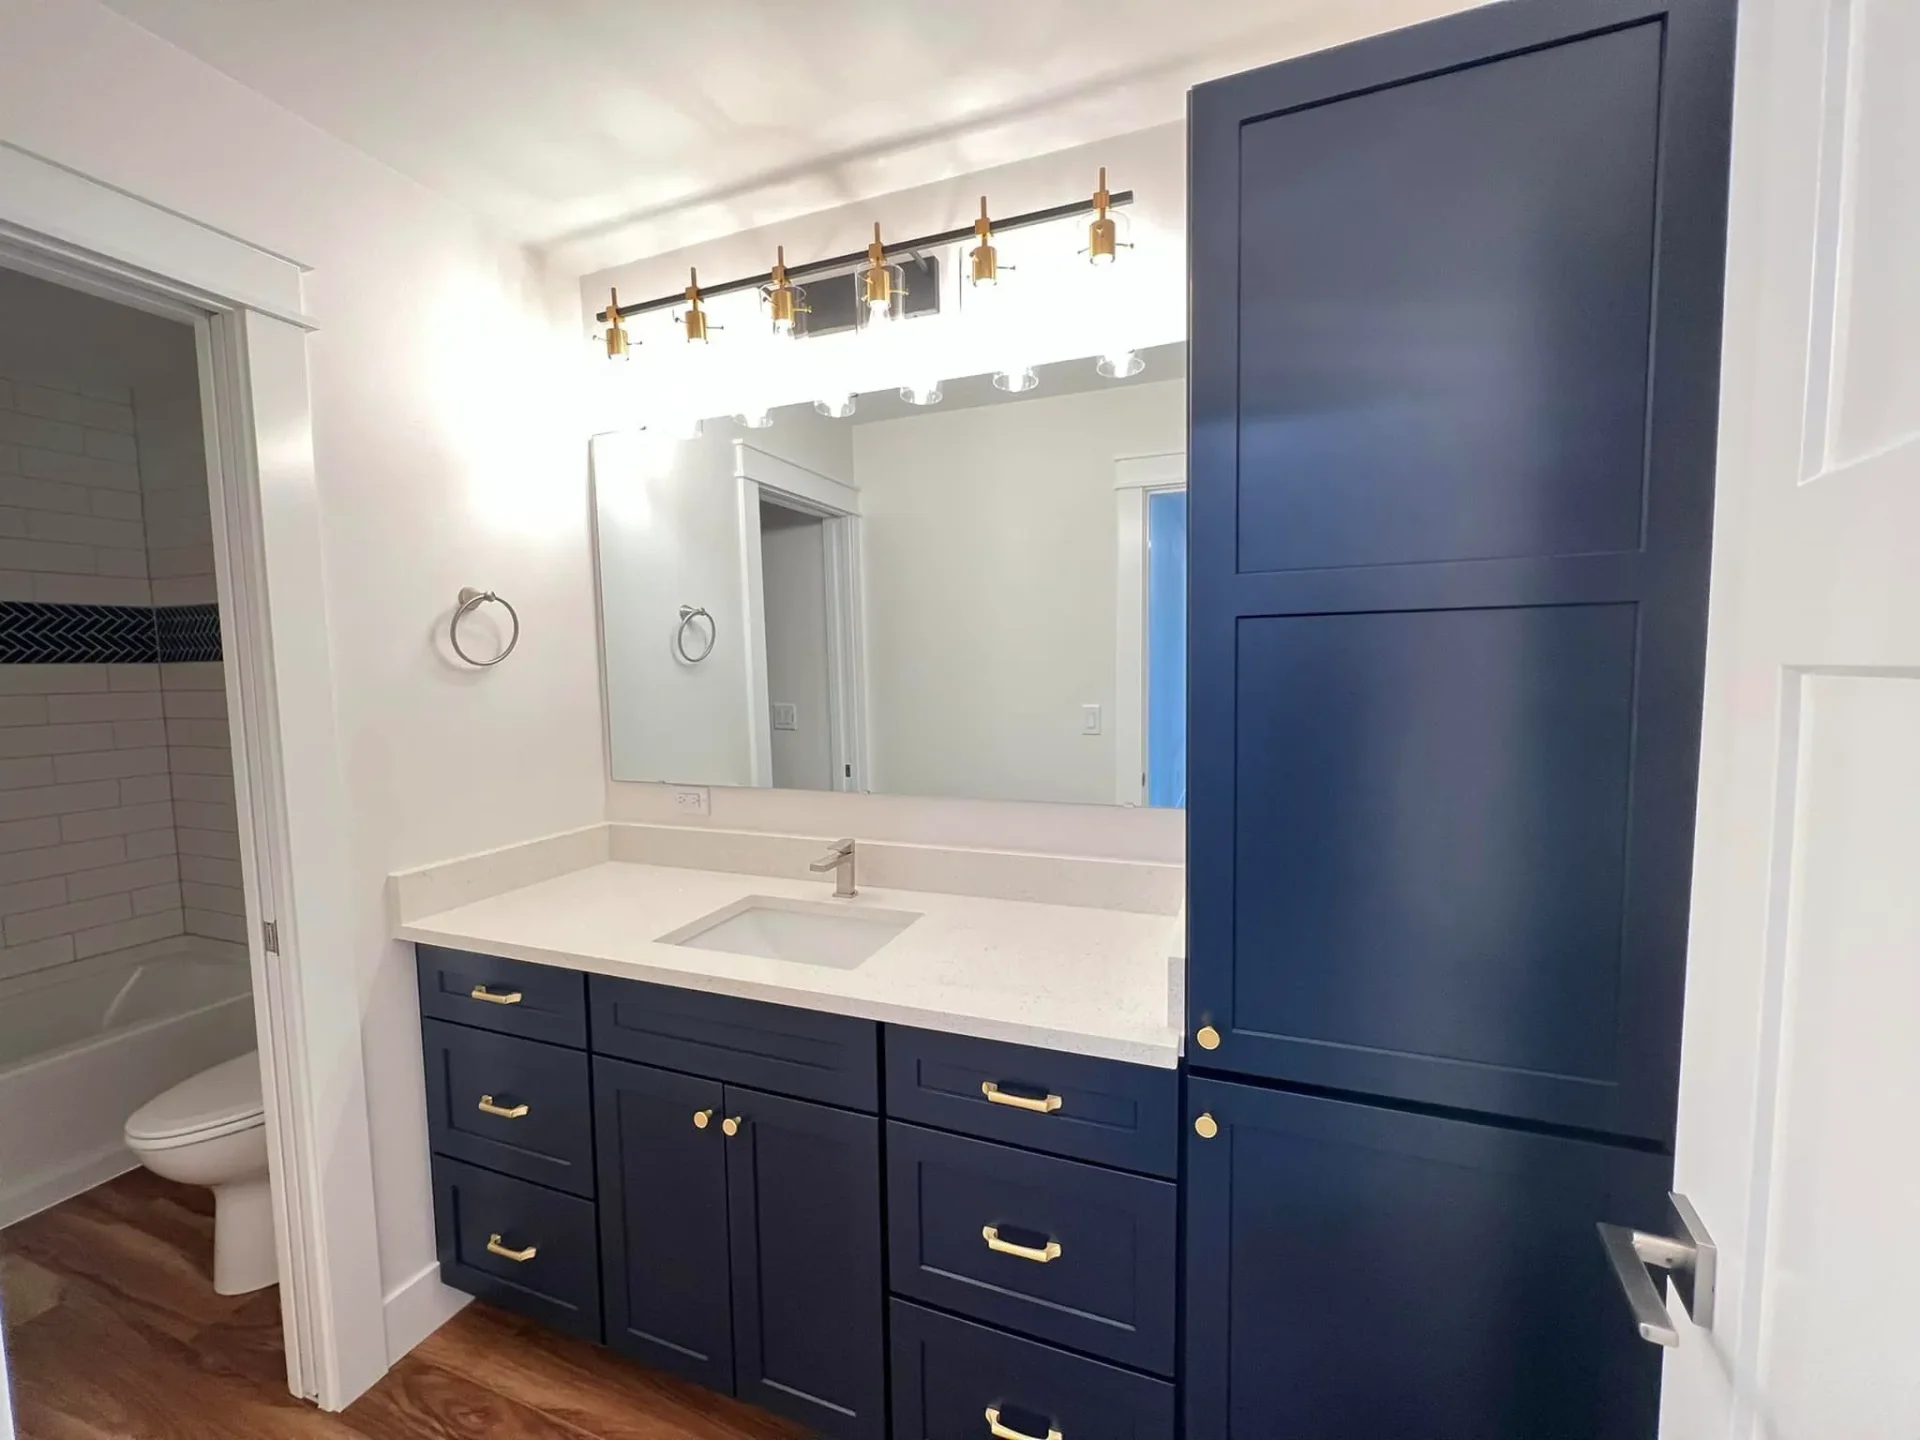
x=85, y=1046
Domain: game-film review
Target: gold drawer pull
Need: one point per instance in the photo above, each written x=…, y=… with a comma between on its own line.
x=996, y=1096
x=1007, y=1432
x=1044, y=1255
x=505, y=1112
x=519, y=1257
x=506, y=997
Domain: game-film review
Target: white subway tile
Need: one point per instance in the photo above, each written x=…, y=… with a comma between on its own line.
x=110, y=764
x=33, y=895
x=117, y=394
x=231, y=928
x=28, y=771
x=149, y=843
x=194, y=675
x=31, y=925
x=121, y=820
x=133, y=734
x=206, y=733
x=17, y=585
x=84, y=530
x=114, y=504
x=152, y=899
x=49, y=435
x=210, y=789
x=62, y=859
x=190, y=590
x=104, y=445
x=47, y=494
x=74, y=409
x=51, y=679
x=73, y=799
x=92, y=590
x=13, y=522
x=41, y=955
x=201, y=760
x=45, y=557
x=207, y=870
x=128, y=932
x=196, y=705
x=23, y=709
x=176, y=561
x=9, y=459
x=30, y=834
x=214, y=844
x=125, y=878
x=226, y=899
x=57, y=739
x=120, y=562
x=122, y=705
x=79, y=469
x=133, y=677
x=145, y=789
x=177, y=530
x=198, y=815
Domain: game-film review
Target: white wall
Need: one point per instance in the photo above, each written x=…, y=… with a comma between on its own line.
x=989, y=541
x=794, y=566
x=445, y=458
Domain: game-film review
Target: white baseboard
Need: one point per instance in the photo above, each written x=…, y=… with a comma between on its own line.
x=416, y=1308
x=44, y=1191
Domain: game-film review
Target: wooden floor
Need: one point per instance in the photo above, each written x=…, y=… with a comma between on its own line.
x=113, y=1329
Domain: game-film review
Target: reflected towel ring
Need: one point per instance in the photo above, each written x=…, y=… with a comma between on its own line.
x=689, y=614
x=470, y=600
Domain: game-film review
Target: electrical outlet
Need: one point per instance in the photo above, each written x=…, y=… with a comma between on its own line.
x=1089, y=719
x=689, y=800
x=786, y=715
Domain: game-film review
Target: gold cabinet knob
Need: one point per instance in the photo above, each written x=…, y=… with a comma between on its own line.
x=1208, y=1037
x=1206, y=1127
x=730, y=1125
x=702, y=1119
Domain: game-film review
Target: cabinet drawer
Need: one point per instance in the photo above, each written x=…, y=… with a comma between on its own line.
x=1074, y=1105
x=746, y=1042
x=518, y=1246
x=512, y=1105
x=541, y=1002
x=1053, y=1248
x=949, y=1373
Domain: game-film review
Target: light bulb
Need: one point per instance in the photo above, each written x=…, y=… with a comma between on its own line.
x=1015, y=378
x=879, y=313
x=1119, y=364
x=926, y=392
x=838, y=409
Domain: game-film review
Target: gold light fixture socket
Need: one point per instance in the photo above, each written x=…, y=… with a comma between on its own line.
x=1103, y=236
x=617, y=342
x=695, y=319
x=985, y=259
x=783, y=299
x=879, y=275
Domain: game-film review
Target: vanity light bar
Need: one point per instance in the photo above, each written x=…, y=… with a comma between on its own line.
x=858, y=257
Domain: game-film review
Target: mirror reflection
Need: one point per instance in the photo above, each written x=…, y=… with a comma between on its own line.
x=978, y=595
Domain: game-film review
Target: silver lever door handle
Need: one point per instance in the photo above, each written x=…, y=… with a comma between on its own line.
x=1688, y=1257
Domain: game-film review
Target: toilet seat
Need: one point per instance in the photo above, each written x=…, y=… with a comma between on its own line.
x=222, y=1101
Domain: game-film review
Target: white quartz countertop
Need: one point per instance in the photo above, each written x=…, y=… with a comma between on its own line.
x=1061, y=977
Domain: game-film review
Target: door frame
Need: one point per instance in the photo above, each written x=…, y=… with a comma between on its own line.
x=245, y=307
x=760, y=475
x=1135, y=478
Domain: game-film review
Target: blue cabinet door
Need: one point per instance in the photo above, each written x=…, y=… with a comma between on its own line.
x=664, y=1247
x=803, y=1189
x=1456, y=317
x=1357, y=1271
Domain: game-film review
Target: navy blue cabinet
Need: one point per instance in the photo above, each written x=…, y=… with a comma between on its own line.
x=1453, y=374
x=803, y=1207
x=663, y=1220
x=1359, y=1271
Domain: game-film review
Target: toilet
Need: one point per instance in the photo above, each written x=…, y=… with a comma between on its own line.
x=211, y=1130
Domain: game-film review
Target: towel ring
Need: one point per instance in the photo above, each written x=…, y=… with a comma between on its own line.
x=689, y=614
x=470, y=600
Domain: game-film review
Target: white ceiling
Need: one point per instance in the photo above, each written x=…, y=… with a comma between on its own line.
x=575, y=121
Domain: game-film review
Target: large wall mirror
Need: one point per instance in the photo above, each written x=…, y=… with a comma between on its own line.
x=981, y=597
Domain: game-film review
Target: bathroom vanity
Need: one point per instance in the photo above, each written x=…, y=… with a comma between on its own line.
x=910, y=1169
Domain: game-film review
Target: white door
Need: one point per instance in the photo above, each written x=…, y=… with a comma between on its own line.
x=1799, y=1138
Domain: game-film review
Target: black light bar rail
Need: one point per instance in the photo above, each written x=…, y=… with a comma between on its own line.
x=902, y=247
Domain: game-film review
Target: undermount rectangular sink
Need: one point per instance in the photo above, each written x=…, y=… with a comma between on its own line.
x=804, y=931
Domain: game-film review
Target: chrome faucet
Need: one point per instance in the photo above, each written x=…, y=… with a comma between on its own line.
x=840, y=861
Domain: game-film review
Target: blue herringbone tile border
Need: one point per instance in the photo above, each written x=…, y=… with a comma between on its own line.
x=35, y=634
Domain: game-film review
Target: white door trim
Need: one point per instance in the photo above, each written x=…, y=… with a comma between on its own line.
x=245, y=305
x=1134, y=478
